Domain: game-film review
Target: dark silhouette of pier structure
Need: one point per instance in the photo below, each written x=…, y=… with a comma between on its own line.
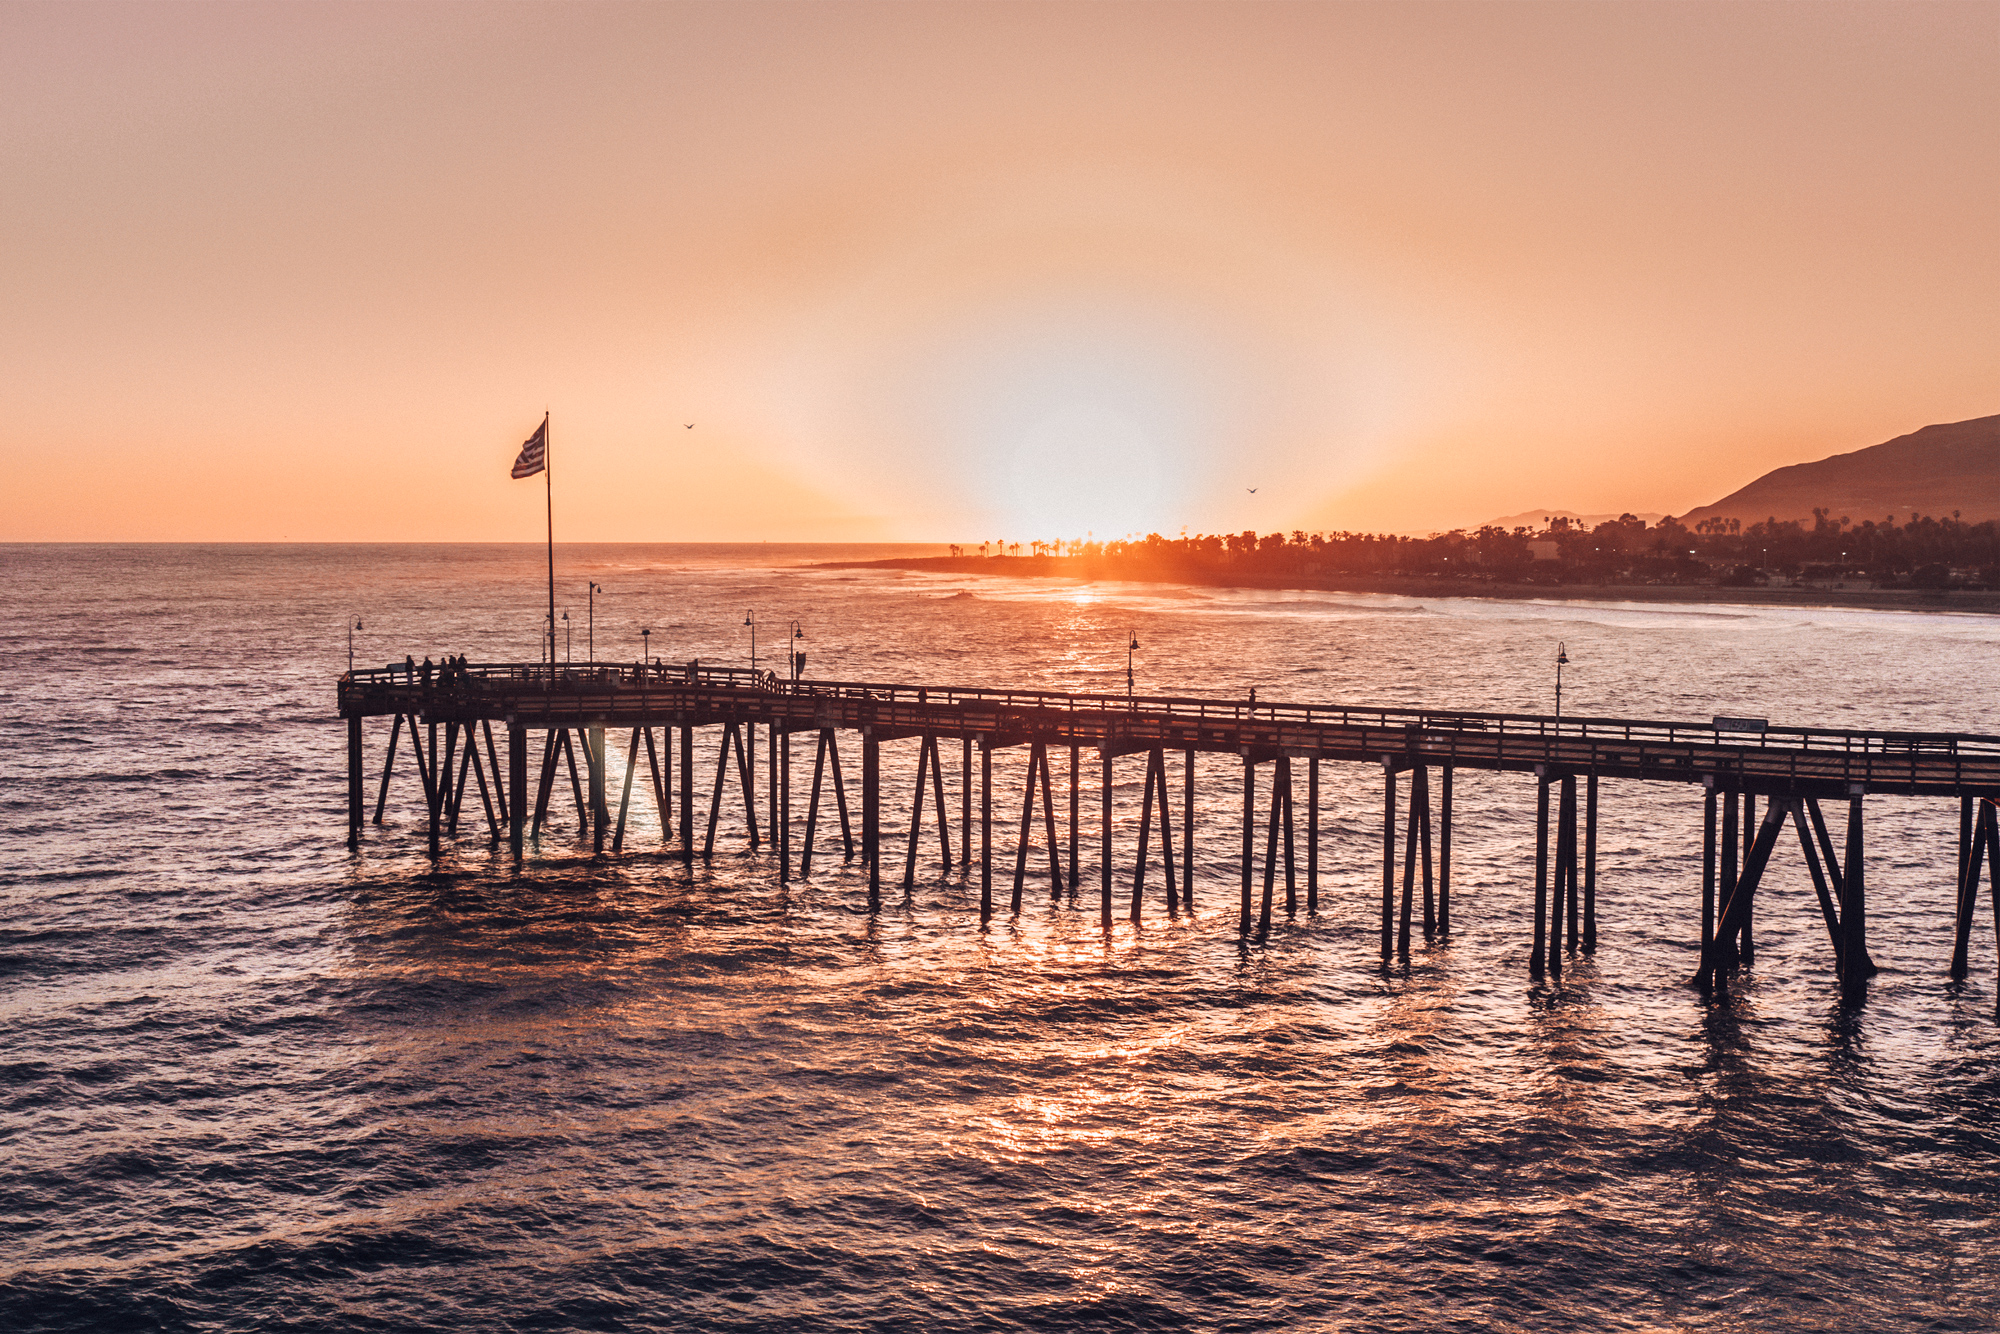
x=1756, y=779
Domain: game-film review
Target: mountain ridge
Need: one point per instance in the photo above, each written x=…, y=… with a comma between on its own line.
x=1940, y=470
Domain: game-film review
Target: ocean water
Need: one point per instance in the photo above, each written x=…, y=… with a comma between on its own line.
x=252, y=1081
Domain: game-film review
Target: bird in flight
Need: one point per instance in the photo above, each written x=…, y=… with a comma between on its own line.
x=1251, y=489
x=690, y=426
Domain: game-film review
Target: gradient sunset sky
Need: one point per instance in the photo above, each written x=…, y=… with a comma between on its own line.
x=965, y=271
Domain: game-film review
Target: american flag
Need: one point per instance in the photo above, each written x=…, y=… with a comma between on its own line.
x=534, y=452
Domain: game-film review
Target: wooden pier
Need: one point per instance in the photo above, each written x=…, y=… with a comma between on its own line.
x=449, y=719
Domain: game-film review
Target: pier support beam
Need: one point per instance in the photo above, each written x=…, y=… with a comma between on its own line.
x=356, y=801
x=600, y=812
x=624, y=795
x=1537, y=952
x=781, y=816
x=1388, y=860
x=1187, y=831
x=1104, y=837
x=517, y=786
x=1312, y=834
x=1829, y=909
x=1444, y=852
x=871, y=812
x=1249, y=837
x=1590, y=867
x=928, y=765
x=1982, y=852
x=1075, y=811
x=1718, y=957
x=1156, y=794
x=1708, y=851
x=1854, y=901
x=986, y=829
x=388, y=764
x=687, y=790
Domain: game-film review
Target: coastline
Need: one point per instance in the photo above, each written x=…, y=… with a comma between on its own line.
x=1095, y=571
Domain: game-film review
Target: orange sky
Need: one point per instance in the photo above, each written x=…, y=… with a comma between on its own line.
x=958, y=271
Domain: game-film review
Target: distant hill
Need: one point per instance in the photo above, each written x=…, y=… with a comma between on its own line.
x=1539, y=519
x=1933, y=471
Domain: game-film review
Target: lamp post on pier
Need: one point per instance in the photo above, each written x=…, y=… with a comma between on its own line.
x=350, y=644
x=750, y=619
x=591, y=641
x=566, y=639
x=1562, y=660
x=646, y=647
x=1131, y=646
x=798, y=655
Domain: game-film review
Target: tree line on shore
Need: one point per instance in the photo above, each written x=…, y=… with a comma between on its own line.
x=1923, y=552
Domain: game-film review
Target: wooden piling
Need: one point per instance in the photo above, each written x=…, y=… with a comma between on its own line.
x=812, y=803
x=1746, y=940
x=1104, y=837
x=625, y=794
x=1829, y=912
x=840, y=794
x=871, y=811
x=924, y=745
x=986, y=829
x=1420, y=803
x=965, y=802
x=1075, y=810
x=551, y=756
x=1571, y=907
x=1159, y=762
x=1708, y=868
x=715, y=792
x=1725, y=889
x=1187, y=831
x=1590, y=867
x=1027, y=824
x=1249, y=835
x=1388, y=860
x=1145, y=837
x=576, y=784
x=427, y=765
x=1562, y=884
x=1312, y=834
x=662, y=800
x=1737, y=908
x=500, y=789
x=1854, y=903
x=782, y=833
x=495, y=819
x=1049, y=830
x=1444, y=853
x=1272, y=820
x=1291, y=865
x=517, y=786
x=600, y=810
x=356, y=801
x=1971, y=850
x=687, y=790
x=388, y=764
x=1538, y=951
x=1410, y=822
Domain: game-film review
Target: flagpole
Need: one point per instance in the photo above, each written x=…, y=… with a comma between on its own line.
x=549, y=485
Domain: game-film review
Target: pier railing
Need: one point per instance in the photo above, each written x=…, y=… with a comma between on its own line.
x=391, y=689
